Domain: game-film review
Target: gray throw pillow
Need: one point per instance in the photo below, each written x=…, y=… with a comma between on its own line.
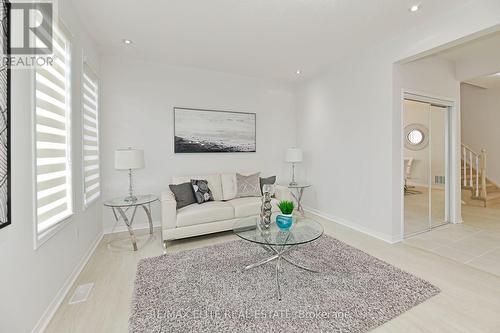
x=248, y=186
x=201, y=191
x=266, y=181
x=183, y=193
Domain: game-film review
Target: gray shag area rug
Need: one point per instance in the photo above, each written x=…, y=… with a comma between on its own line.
x=206, y=290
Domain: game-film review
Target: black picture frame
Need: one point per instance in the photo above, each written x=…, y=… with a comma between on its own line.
x=189, y=147
x=5, y=121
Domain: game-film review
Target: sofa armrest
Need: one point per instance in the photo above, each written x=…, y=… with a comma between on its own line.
x=282, y=193
x=168, y=210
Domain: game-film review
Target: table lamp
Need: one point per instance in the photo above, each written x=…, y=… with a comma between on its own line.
x=129, y=159
x=293, y=156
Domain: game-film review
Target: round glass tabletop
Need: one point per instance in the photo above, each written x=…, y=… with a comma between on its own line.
x=303, y=231
x=141, y=200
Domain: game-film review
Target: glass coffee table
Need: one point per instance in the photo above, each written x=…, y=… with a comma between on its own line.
x=278, y=242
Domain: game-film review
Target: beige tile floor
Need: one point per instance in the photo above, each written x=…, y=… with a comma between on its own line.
x=475, y=242
x=468, y=302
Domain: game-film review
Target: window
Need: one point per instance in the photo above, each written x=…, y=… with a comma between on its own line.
x=90, y=109
x=52, y=139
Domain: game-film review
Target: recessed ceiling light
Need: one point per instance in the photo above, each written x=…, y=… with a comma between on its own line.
x=415, y=8
x=297, y=72
x=127, y=41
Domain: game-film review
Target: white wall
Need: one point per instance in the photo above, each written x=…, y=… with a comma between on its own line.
x=31, y=279
x=480, y=121
x=138, y=101
x=350, y=123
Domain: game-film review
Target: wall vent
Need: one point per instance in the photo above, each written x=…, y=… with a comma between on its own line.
x=439, y=180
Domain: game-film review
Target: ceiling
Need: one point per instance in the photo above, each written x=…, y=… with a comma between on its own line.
x=475, y=50
x=263, y=38
x=482, y=50
x=490, y=81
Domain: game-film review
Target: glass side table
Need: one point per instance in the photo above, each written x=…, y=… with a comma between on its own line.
x=297, y=192
x=120, y=208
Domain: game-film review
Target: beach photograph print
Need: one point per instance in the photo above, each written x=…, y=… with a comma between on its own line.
x=208, y=131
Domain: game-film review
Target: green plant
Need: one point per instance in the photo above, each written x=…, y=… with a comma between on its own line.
x=286, y=207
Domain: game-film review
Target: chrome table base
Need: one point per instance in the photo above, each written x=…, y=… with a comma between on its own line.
x=279, y=255
x=121, y=214
x=298, y=198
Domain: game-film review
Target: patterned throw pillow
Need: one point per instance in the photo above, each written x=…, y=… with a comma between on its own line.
x=201, y=191
x=248, y=186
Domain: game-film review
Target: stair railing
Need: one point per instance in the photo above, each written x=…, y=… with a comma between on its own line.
x=484, y=192
x=474, y=171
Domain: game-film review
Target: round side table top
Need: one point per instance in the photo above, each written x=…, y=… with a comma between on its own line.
x=120, y=201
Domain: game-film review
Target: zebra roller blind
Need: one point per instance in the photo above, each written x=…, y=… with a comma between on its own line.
x=53, y=137
x=90, y=106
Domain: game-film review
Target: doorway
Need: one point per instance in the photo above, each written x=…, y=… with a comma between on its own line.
x=426, y=128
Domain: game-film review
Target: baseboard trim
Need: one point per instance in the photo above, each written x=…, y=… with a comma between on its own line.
x=45, y=319
x=122, y=228
x=346, y=223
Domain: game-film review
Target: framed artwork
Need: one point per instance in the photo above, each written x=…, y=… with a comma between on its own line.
x=212, y=131
x=5, y=212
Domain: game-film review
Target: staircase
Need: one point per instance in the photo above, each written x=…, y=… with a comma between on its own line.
x=474, y=176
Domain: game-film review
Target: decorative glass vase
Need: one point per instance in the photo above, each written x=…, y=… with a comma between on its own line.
x=284, y=221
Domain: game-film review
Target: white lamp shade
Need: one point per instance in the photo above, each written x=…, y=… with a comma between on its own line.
x=126, y=159
x=293, y=155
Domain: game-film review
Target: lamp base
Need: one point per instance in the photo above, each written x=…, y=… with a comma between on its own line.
x=130, y=198
x=293, y=184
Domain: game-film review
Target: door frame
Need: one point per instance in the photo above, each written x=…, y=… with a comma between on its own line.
x=453, y=204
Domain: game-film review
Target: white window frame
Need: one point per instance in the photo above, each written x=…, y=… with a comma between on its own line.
x=98, y=119
x=40, y=238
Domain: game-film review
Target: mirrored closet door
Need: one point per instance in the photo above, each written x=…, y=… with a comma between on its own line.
x=425, y=166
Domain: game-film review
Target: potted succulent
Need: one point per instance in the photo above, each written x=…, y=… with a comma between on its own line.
x=285, y=220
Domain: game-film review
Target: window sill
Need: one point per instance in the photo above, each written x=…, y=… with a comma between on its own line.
x=87, y=205
x=42, y=238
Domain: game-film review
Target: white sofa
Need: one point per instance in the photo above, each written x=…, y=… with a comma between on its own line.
x=213, y=216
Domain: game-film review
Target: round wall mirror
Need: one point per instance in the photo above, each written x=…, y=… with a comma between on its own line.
x=416, y=136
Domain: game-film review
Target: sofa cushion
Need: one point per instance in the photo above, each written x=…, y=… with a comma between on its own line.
x=266, y=181
x=214, y=183
x=208, y=212
x=248, y=186
x=228, y=181
x=202, y=192
x=244, y=207
x=184, y=195
x=228, y=185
